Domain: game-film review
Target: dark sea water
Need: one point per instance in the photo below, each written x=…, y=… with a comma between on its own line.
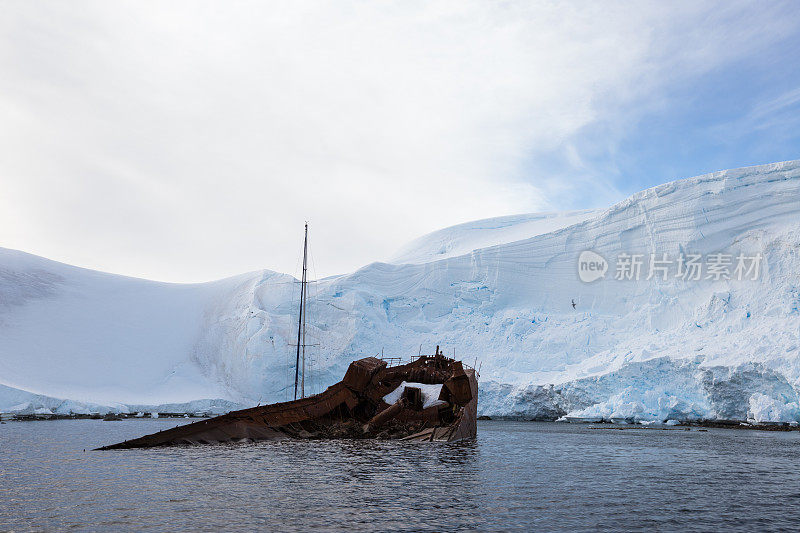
x=516, y=476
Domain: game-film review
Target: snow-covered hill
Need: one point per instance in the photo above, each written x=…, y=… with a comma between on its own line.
x=497, y=291
x=464, y=238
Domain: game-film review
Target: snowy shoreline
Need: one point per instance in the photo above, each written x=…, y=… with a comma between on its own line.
x=676, y=425
x=8, y=417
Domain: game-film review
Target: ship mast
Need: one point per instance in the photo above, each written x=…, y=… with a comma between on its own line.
x=301, y=326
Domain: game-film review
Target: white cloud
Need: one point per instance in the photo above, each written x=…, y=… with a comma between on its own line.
x=188, y=141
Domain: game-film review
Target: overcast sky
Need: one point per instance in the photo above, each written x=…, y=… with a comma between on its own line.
x=188, y=141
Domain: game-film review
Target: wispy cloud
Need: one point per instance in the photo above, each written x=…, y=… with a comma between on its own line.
x=189, y=140
x=765, y=114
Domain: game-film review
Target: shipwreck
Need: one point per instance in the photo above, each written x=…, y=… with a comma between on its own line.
x=432, y=398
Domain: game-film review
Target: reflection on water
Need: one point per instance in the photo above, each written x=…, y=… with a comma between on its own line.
x=520, y=476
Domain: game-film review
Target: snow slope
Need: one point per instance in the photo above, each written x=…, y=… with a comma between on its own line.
x=98, y=338
x=497, y=291
x=464, y=238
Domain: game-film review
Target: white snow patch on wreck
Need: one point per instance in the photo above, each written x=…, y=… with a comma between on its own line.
x=430, y=394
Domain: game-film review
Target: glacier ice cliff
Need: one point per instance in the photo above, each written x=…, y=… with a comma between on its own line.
x=498, y=291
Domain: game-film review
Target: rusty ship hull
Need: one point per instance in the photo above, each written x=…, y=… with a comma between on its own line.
x=355, y=408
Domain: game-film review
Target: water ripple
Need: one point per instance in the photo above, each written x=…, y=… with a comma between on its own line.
x=516, y=476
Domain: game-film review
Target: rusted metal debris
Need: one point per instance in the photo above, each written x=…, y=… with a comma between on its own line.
x=353, y=408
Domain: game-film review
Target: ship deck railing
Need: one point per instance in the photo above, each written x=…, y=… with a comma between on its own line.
x=397, y=361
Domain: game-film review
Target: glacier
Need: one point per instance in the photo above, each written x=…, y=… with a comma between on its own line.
x=498, y=293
